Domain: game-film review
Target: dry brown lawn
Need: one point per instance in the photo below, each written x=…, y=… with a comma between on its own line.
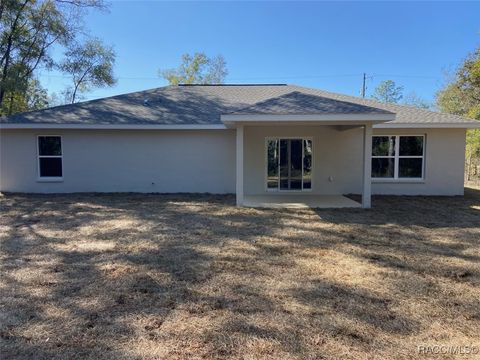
x=187, y=277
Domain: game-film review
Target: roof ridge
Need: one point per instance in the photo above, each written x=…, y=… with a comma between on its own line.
x=272, y=84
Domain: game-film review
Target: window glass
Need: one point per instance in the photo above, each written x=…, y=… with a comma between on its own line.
x=383, y=167
x=50, y=167
x=398, y=156
x=383, y=146
x=272, y=167
x=410, y=167
x=49, y=156
x=49, y=146
x=411, y=146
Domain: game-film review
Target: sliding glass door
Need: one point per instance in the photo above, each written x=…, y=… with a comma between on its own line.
x=289, y=164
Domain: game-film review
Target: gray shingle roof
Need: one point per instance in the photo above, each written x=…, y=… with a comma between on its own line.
x=203, y=105
x=298, y=103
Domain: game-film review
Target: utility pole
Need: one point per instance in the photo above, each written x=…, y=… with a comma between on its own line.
x=364, y=85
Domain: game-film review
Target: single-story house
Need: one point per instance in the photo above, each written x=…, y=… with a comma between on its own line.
x=269, y=144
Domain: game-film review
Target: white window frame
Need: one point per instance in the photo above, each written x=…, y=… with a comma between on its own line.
x=397, y=158
x=265, y=165
x=48, y=178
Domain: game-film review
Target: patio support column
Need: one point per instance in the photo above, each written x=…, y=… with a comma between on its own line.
x=367, y=166
x=239, y=163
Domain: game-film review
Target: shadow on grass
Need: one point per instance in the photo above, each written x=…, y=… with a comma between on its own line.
x=64, y=297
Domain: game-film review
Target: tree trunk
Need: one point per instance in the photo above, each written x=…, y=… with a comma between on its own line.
x=74, y=94
x=10, y=106
x=469, y=165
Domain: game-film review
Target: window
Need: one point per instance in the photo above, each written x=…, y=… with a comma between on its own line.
x=50, y=157
x=289, y=164
x=398, y=157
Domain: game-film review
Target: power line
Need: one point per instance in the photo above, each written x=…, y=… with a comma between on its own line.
x=118, y=77
x=407, y=76
x=243, y=78
x=265, y=77
x=283, y=78
x=296, y=77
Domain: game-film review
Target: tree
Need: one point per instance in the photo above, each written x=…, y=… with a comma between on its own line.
x=28, y=30
x=90, y=65
x=34, y=97
x=387, y=91
x=413, y=99
x=461, y=96
x=197, y=69
x=469, y=77
x=55, y=99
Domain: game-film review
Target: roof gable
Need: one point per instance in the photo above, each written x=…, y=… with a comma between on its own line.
x=298, y=103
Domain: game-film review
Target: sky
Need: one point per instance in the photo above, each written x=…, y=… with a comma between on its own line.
x=327, y=45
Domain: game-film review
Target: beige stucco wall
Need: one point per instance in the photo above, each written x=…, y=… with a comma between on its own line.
x=122, y=161
x=339, y=155
x=204, y=161
x=444, y=164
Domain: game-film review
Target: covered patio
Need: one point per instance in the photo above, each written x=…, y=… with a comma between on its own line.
x=299, y=201
x=277, y=138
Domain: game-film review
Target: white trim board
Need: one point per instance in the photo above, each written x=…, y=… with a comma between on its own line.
x=396, y=125
x=113, y=127
x=387, y=125
x=232, y=118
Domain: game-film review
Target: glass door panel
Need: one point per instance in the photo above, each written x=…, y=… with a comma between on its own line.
x=291, y=156
x=272, y=167
x=284, y=164
x=289, y=164
x=295, y=164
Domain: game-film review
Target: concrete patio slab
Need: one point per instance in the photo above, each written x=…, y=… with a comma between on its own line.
x=299, y=201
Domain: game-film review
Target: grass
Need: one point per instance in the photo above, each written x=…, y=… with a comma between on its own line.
x=193, y=277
